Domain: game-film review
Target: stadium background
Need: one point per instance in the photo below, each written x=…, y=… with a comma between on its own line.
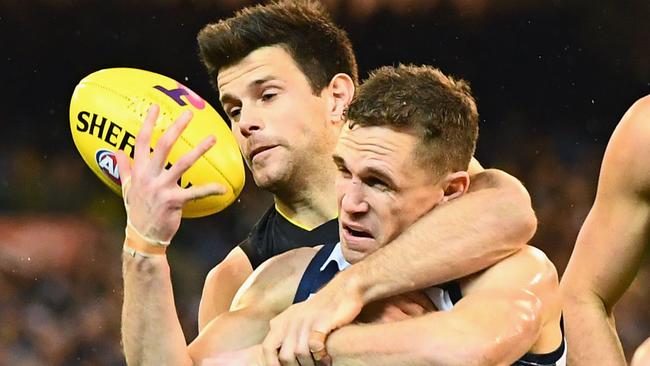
x=552, y=78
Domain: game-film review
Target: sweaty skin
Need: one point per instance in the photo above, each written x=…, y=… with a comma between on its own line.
x=480, y=237
x=523, y=314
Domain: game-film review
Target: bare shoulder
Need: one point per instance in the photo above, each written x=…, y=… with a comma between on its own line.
x=275, y=282
x=627, y=158
x=235, y=267
x=642, y=355
x=528, y=269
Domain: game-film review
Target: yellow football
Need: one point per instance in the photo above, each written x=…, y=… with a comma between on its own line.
x=108, y=108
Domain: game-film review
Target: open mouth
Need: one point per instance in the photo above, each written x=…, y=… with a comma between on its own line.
x=358, y=232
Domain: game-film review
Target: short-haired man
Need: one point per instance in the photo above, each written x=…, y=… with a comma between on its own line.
x=308, y=70
x=285, y=74
x=404, y=152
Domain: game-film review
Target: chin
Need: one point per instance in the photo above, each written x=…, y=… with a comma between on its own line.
x=351, y=255
x=269, y=180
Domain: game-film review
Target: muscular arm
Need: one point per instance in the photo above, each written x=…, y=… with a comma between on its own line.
x=501, y=317
x=264, y=295
x=611, y=243
x=222, y=284
x=462, y=236
x=151, y=331
x=467, y=335
x=493, y=220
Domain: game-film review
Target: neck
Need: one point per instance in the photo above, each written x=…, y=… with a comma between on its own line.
x=308, y=204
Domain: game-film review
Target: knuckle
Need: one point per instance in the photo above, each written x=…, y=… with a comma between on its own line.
x=286, y=356
x=164, y=143
x=268, y=350
x=302, y=351
x=275, y=323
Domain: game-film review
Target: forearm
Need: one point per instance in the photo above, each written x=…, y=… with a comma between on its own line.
x=151, y=331
x=434, y=339
x=591, y=333
x=462, y=237
x=378, y=344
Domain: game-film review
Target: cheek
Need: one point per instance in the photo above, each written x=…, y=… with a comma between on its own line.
x=238, y=137
x=340, y=185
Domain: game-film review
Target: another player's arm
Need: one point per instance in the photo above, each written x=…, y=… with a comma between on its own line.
x=611, y=243
x=493, y=220
x=151, y=332
x=498, y=319
x=221, y=285
x=265, y=294
x=470, y=233
x=268, y=291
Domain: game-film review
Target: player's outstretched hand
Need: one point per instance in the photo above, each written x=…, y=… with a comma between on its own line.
x=152, y=196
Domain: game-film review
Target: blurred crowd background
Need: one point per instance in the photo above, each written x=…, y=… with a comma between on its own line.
x=552, y=79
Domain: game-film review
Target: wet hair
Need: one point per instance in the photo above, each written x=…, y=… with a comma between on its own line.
x=438, y=109
x=303, y=28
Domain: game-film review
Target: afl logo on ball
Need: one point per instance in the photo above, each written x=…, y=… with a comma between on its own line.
x=108, y=164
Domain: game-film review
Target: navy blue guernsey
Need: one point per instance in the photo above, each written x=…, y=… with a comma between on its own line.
x=313, y=278
x=316, y=276
x=273, y=234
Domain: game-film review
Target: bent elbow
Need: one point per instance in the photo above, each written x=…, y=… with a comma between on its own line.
x=524, y=329
x=527, y=223
x=515, y=205
x=524, y=217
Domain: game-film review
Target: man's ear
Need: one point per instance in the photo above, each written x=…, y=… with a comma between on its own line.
x=455, y=185
x=340, y=92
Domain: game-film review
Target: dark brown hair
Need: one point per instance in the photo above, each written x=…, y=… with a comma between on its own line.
x=303, y=28
x=422, y=100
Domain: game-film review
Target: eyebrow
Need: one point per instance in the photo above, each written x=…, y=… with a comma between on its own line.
x=381, y=174
x=227, y=98
x=369, y=171
x=338, y=160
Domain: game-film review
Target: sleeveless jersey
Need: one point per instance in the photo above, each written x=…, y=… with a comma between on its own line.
x=329, y=260
x=273, y=234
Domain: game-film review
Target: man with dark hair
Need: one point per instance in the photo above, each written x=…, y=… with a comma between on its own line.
x=287, y=121
x=303, y=29
x=397, y=160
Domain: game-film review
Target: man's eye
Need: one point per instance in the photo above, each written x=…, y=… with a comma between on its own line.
x=268, y=96
x=234, y=112
x=377, y=183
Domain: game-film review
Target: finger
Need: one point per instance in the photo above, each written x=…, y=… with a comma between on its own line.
x=317, y=345
x=323, y=325
x=168, y=139
x=325, y=361
x=124, y=170
x=270, y=347
x=287, y=354
x=204, y=190
x=305, y=360
x=187, y=160
x=394, y=314
x=143, y=139
x=421, y=299
x=123, y=165
x=303, y=353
